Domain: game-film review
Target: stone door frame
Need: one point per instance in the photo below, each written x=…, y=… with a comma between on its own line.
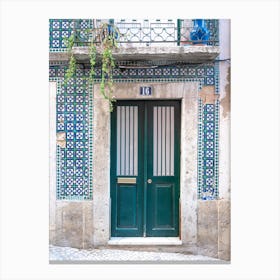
x=187, y=92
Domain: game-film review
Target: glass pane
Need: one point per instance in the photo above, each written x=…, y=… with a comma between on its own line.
x=127, y=140
x=163, y=141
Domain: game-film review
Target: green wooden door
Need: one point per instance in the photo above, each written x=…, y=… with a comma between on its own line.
x=145, y=166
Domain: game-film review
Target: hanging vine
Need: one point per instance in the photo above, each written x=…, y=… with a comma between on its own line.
x=92, y=60
x=103, y=40
x=70, y=72
x=108, y=63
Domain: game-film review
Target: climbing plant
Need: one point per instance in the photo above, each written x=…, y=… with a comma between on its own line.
x=70, y=72
x=109, y=35
x=103, y=40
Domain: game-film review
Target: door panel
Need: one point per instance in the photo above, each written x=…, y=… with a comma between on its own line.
x=127, y=169
x=145, y=147
x=163, y=206
x=126, y=206
x=163, y=172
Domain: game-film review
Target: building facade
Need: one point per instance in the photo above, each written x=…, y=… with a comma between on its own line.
x=155, y=170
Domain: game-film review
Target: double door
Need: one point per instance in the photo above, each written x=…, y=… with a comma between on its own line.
x=145, y=166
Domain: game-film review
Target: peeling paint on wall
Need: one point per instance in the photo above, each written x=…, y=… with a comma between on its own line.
x=207, y=95
x=61, y=139
x=225, y=102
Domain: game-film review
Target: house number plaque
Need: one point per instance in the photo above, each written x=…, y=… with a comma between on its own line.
x=146, y=91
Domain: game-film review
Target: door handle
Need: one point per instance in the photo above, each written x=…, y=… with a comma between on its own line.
x=149, y=181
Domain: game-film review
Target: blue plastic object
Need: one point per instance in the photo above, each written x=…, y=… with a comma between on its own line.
x=112, y=31
x=199, y=34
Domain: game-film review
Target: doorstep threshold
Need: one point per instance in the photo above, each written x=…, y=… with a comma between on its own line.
x=145, y=241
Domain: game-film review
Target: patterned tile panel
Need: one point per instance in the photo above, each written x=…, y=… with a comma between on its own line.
x=59, y=29
x=208, y=152
x=63, y=28
x=205, y=73
x=74, y=121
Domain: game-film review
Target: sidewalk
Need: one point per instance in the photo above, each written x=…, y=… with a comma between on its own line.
x=72, y=255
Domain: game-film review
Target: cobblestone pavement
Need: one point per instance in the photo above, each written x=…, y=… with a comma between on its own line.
x=64, y=254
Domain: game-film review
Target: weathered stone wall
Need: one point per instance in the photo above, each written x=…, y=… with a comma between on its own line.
x=101, y=170
x=224, y=222
x=214, y=228
x=74, y=224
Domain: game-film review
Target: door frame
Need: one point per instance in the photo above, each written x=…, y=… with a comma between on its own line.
x=187, y=92
x=143, y=191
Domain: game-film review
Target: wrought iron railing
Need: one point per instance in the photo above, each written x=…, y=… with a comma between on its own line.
x=135, y=32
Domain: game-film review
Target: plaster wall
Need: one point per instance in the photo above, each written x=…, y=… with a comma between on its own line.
x=224, y=210
x=225, y=117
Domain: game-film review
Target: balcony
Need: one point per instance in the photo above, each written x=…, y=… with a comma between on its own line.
x=138, y=40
